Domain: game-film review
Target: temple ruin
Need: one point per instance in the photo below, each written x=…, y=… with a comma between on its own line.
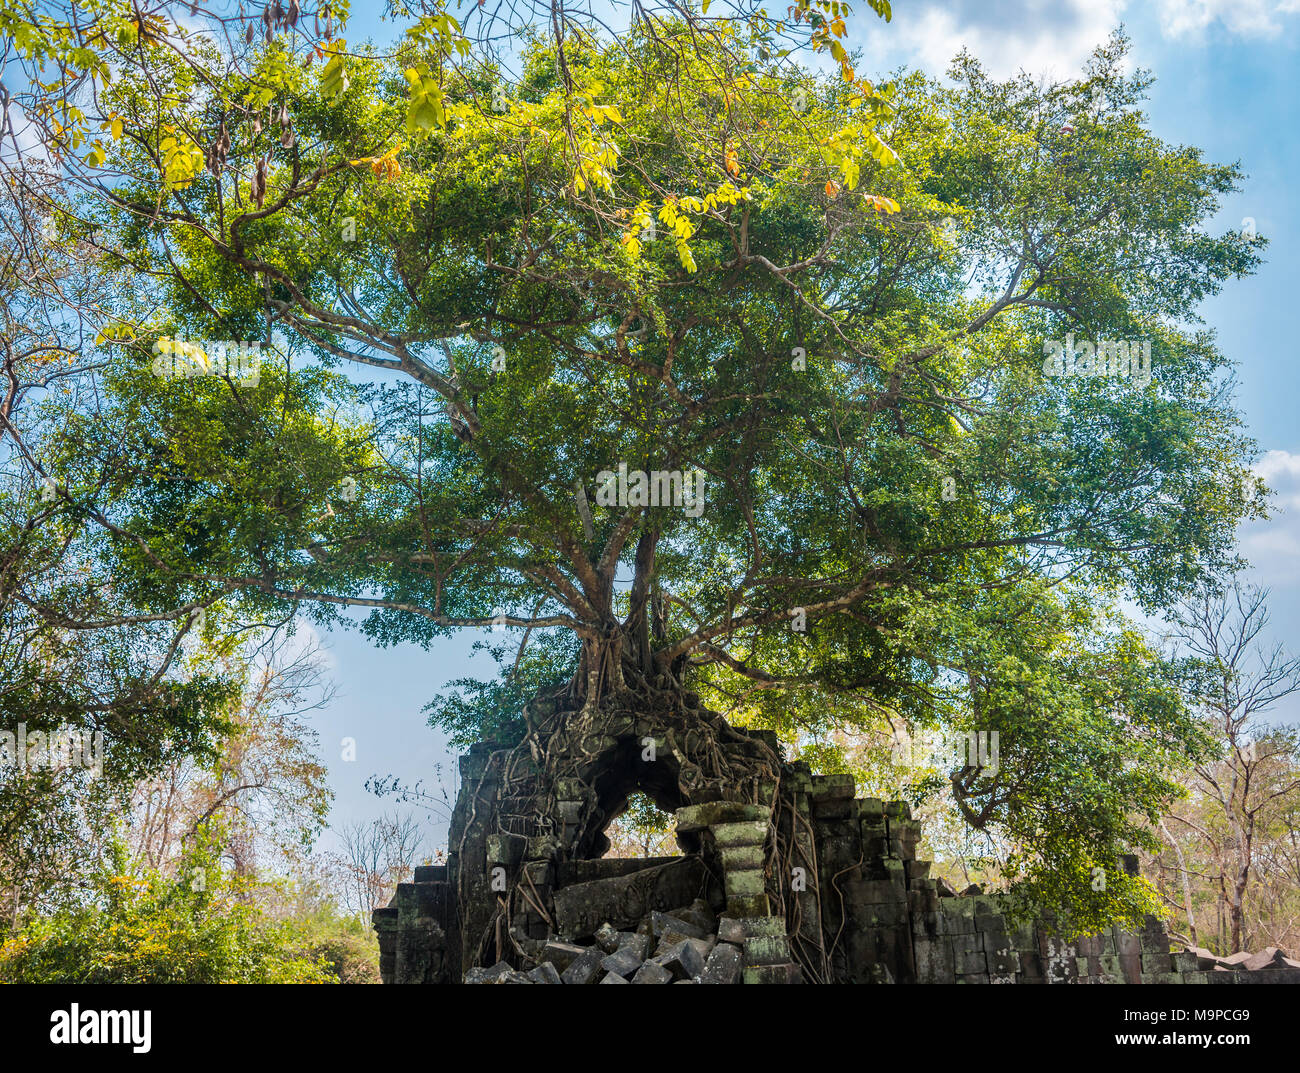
x=786, y=877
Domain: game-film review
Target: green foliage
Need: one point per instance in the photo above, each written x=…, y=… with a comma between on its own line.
x=149, y=928
x=495, y=709
x=346, y=945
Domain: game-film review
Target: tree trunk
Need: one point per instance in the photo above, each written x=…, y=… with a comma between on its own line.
x=1238, y=906
x=1186, y=882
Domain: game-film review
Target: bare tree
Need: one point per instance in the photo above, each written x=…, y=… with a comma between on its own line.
x=377, y=856
x=1234, y=679
x=267, y=784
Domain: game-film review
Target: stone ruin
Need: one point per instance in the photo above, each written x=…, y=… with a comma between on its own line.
x=786, y=877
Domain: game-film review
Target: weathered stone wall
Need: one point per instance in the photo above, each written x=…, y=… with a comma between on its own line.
x=785, y=879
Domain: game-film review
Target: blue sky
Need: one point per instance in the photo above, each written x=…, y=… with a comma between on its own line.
x=1226, y=81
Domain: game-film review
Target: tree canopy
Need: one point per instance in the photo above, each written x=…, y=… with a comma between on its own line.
x=813, y=310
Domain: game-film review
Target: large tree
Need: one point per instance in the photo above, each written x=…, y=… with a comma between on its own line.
x=823, y=303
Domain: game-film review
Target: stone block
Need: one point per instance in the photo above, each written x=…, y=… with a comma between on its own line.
x=607, y=937
x=722, y=966
x=1060, y=970
x=1268, y=958
x=767, y=950
x=882, y=914
x=1031, y=966
x=935, y=963
x=745, y=833
x=684, y=959
x=672, y=938
x=545, y=973
x=744, y=883
x=662, y=924
x=624, y=961
x=871, y=809
x=638, y=941
x=1001, y=957
x=622, y=901
x=836, y=853
x=773, y=974
x=613, y=978
x=562, y=955
x=712, y=813
x=738, y=929
x=875, y=891
x=740, y=858
x=505, y=850
x=916, y=871
x=748, y=905
x=1111, y=967
x=956, y=923
x=700, y=914
x=585, y=968
x=478, y=975
x=826, y=787
x=651, y=973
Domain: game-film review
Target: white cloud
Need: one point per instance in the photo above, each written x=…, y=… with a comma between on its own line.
x=1043, y=37
x=1273, y=546
x=1246, y=18
x=22, y=139
x=1276, y=464
x=306, y=640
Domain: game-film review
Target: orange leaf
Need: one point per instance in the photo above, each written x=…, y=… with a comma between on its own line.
x=832, y=189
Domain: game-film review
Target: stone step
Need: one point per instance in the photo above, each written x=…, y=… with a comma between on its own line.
x=785, y=973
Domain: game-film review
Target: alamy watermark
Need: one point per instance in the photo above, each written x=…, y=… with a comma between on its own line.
x=657, y=488
x=66, y=747
x=176, y=359
x=78, y=1026
x=1106, y=357
x=946, y=751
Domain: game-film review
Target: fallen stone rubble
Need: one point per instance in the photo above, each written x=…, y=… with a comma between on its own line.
x=1271, y=957
x=689, y=945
